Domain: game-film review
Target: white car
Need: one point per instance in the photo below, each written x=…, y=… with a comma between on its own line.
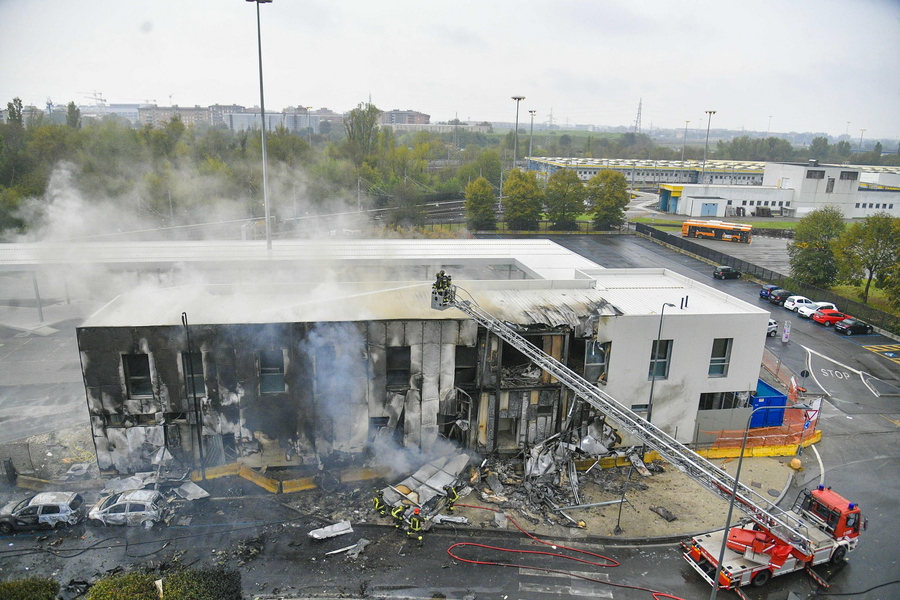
x=773, y=328
x=134, y=507
x=808, y=311
x=795, y=302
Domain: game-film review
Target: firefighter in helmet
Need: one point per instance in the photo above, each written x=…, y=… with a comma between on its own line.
x=415, y=526
x=378, y=502
x=452, y=496
x=397, y=513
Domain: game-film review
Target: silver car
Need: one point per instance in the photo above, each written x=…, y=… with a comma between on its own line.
x=47, y=510
x=134, y=507
x=809, y=311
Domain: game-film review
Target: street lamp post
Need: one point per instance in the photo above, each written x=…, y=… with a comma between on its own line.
x=734, y=489
x=262, y=111
x=531, y=138
x=861, y=132
x=683, y=144
x=662, y=312
x=516, y=134
x=706, y=147
x=309, y=124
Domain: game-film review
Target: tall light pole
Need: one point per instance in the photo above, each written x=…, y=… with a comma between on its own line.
x=309, y=124
x=683, y=144
x=531, y=138
x=662, y=312
x=861, y=132
x=706, y=148
x=516, y=136
x=262, y=111
x=734, y=490
x=769, y=127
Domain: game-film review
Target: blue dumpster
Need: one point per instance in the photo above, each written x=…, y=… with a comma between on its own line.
x=766, y=395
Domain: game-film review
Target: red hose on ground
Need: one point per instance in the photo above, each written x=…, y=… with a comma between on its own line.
x=608, y=562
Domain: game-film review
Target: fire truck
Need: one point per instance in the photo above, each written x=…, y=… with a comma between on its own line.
x=754, y=552
x=821, y=526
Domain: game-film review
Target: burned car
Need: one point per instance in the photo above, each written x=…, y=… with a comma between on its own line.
x=47, y=510
x=134, y=507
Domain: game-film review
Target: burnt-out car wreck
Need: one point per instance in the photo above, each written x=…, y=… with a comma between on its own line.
x=289, y=375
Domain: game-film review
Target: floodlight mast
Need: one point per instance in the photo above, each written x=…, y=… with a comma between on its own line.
x=760, y=509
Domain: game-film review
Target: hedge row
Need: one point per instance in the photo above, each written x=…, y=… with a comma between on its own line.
x=33, y=588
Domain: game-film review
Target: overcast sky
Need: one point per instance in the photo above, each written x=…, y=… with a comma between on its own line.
x=803, y=65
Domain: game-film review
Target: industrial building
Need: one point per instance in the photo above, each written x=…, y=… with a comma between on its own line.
x=326, y=349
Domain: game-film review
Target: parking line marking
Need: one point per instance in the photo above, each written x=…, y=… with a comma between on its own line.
x=888, y=351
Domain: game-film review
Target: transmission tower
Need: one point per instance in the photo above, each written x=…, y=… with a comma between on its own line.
x=637, y=122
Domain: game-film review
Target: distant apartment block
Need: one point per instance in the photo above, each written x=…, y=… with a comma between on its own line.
x=157, y=116
x=404, y=117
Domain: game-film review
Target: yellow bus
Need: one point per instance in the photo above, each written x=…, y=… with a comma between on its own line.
x=717, y=230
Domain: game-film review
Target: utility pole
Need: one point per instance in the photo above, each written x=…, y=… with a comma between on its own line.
x=531, y=137
x=706, y=148
x=516, y=135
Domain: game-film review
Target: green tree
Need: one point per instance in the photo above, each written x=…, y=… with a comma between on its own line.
x=564, y=198
x=607, y=197
x=480, y=205
x=15, y=113
x=866, y=251
x=523, y=200
x=361, y=126
x=408, y=200
x=73, y=116
x=819, y=148
x=480, y=163
x=811, y=256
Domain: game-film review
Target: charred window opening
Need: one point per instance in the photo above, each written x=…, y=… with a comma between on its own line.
x=517, y=370
x=466, y=366
x=398, y=367
x=137, y=375
x=596, y=360
x=193, y=371
x=271, y=371
x=376, y=424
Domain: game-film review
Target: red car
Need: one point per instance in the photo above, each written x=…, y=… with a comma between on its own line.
x=828, y=316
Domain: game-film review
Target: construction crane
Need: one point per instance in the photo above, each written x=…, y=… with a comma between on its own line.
x=96, y=96
x=786, y=525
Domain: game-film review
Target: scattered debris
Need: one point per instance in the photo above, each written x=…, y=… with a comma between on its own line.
x=638, y=463
x=439, y=518
x=352, y=551
x=664, y=513
x=339, y=528
x=191, y=491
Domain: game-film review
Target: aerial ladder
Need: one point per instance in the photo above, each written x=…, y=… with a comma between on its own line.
x=783, y=524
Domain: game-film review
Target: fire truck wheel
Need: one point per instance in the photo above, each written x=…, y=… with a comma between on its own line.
x=840, y=553
x=762, y=578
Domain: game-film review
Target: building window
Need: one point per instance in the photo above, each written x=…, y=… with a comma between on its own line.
x=721, y=355
x=271, y=371
x=849, y=175
x=660, y=356
x=878, y=205
x=728, y=203
x=870, y=205
x=767, y=202
x=466, y=365
x=787, y=203
x=780, y=203
x=137, y=374
x=829, y=187
x=596, y=360
x=815, y=174
x=752, y=202
x=193, y=373
x=722, y=400
x=857, y=205
x=398, y=367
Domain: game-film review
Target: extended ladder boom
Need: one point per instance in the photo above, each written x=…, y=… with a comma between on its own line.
x=783, y=524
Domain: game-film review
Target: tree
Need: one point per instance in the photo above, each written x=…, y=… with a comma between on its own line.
x=866, y=251
x=811, y=256
x=408, y=200
x=564, y=198
x=15, y=113
x=361, y=126
x=607, y=197
x=819, y=148
x=73, y=116
x=480, y=205
x=523, y=200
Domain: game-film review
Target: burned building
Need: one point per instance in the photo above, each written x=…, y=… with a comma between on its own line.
x=289, y=374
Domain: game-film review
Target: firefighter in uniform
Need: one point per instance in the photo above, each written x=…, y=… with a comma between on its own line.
x=415, y=526
x=452, y=496
x=378, y=502
x=397, y=512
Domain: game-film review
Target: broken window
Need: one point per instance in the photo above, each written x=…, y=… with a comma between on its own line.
x=398, y=366
x=721, y=355
x=596, y=360
x=466, y=365
x=660, y=356
x=137, y=375
x=193, y=373
x=829, y=187
x=271, y=371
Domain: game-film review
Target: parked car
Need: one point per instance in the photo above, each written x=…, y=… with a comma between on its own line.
x=827, y=316
x=852, y=326
x=808, y=311
x=795, y=302
x=133, y=507
x=779, y=296
x=766, y=290
x=47, y=510
x=773, y=328
x=725, y=272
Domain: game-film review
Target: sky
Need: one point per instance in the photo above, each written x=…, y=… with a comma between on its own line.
x=828, y=66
